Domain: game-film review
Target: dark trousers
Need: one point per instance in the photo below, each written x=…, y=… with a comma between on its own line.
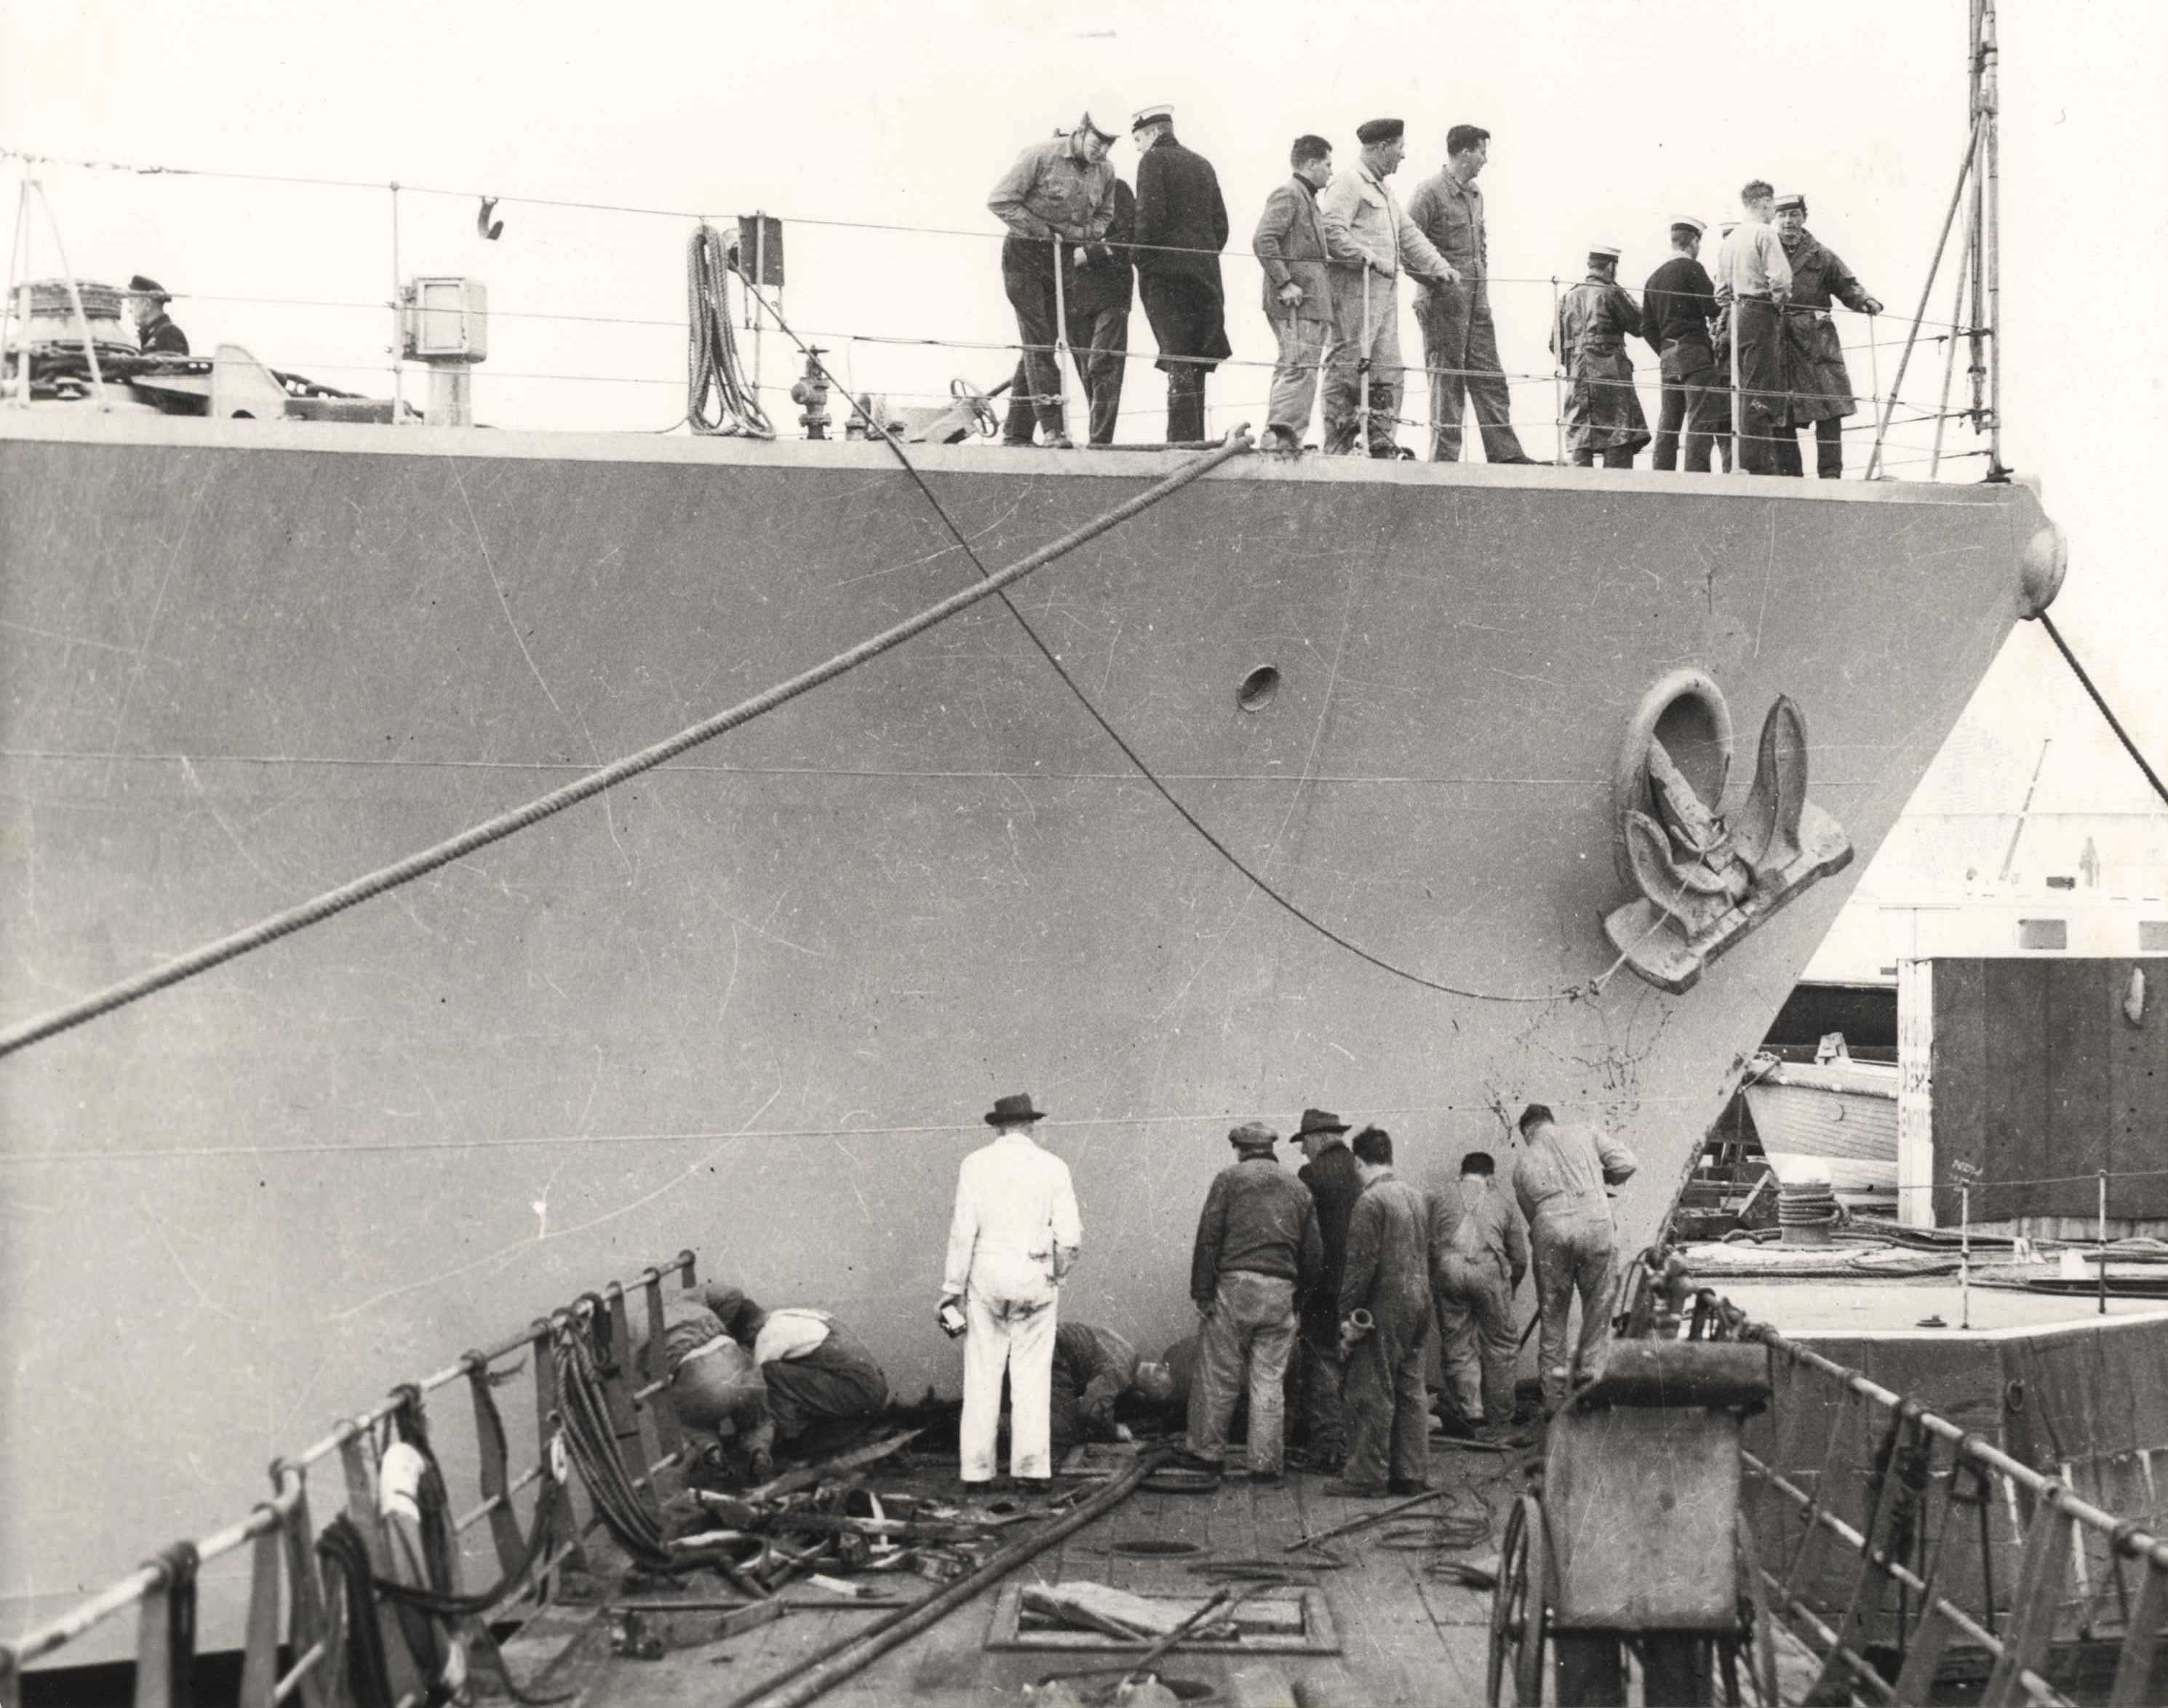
x=1692, y=402
x=831, y=1390
x=1027, y=277
x=1829, y=450
x=1188, y=319
x=1098, y=344
x=1761, y=386
x=1388, y=1407
x=1318, y=1380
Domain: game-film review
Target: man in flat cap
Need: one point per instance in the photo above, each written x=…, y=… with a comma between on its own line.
x=1330, y=1173
x=1058, y=201
x=1289, y=245
x=1817, y=385
x=1181, y=227
x=1014, y=1235
x=1603, y=414
x=1753, y=281
x=1370, y=240
x=823, y=1384
x=155, y=331
x=1257, y=1251
x=1678, y=303
x=1460, y=340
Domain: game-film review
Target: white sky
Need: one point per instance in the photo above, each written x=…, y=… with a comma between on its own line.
x=1608, y=116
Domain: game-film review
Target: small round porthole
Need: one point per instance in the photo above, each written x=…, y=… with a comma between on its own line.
x=1257, y=688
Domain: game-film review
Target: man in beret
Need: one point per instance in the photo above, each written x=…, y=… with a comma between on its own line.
x=1057, y=200
x=1678, y=303
x=1330, y=1173
x=1370, y=240
x=155, y=331
x=1257, y=1251
x=1181, y=227
x=823, y=1383
x=1460, y=340
x=1602, y=410
x=1817, y=385
x=1014, y=1235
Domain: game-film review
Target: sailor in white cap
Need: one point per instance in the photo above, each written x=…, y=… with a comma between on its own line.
x=1603, y=412
x=1181, y=227
x=1057, y=199
x=1678, y=303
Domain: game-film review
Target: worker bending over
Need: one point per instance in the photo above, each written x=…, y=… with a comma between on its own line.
x=1096, y=1374
x=1479, y=1252
x=823, y=1384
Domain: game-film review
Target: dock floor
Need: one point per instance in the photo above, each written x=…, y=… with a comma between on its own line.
x=1405, y=1636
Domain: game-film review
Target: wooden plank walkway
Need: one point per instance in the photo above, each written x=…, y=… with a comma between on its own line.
x=1406, y=1637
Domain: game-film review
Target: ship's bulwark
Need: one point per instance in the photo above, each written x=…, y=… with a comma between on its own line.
x=756, y=1003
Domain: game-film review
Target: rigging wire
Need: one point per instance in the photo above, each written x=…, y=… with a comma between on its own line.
x=2114, y=723
x=507, y=824
x=875, y=430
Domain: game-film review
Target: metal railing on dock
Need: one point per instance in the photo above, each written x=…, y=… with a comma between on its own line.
x=295, y=1627
x=1954, y=1545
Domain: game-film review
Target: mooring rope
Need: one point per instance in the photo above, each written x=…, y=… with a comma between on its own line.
x=508, y=823
x=2114, y=723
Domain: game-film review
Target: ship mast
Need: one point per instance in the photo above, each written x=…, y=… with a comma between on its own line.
x=1978, y=191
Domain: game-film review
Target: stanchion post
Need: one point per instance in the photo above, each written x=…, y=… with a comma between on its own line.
x=2103, y=1242
x=1964, y=1254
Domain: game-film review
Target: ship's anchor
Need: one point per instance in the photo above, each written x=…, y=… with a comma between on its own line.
x=1706, y=880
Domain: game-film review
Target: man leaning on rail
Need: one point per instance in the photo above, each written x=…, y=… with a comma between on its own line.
x=1057, y=199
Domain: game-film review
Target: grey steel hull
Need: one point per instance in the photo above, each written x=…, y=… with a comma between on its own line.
x=756, y=1003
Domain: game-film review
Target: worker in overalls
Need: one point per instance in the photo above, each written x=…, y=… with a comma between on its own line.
x=1478, y=1251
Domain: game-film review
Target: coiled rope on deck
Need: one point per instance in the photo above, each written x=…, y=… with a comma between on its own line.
x=712, y=367
x=508, y=823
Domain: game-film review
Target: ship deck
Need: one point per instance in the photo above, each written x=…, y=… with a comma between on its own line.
x=1403, y=1635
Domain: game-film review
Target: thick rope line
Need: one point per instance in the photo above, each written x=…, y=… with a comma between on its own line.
x=2114, y=723
x=508, y=823
x=875, y=430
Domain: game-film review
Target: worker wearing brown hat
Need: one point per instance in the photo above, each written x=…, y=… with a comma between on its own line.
x=1329, y=1175
x=1257, y=1251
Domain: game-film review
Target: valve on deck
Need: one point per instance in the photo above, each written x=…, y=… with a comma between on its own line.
x=811, y=392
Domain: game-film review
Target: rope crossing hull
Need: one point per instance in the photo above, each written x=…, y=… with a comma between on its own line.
x=754, y=1000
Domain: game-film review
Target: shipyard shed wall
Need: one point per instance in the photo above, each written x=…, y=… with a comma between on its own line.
x=2043, y=1074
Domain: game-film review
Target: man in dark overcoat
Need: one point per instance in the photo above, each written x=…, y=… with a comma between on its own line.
x=1181, y=227
x=1330, y=1173
x=1603, y=414
x=1817, y=385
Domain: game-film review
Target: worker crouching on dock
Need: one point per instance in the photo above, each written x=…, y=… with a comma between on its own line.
x=715, y=1386
x=823, y=1385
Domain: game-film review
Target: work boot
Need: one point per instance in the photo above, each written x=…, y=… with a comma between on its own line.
x=1407, y=1485
x=1058, y=441
x=1342, y=1486
x=1266, y=1479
